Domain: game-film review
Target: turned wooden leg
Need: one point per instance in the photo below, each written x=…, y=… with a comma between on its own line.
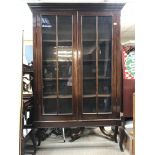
x=109, y=134
x=115, y=133
x=40, y=135
x=76, y=133
x=112, y=134
x=121, y=135
x=32, y=136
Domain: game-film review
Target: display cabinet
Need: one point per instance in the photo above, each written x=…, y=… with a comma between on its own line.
x=77, y=64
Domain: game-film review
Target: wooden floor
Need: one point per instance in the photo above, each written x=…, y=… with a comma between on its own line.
x=93, y=142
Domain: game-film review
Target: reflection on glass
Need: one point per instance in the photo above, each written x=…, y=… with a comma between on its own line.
x=49, y=87
x=65, y=28
x=89, y=56
x=104, y=86
x=104, y=68
x=49, y=70
x=89, y=69
x=64, y=53
x=64, y=38
x=65, y=105
x=48, y=27
x=89, y=105
x=89, y=28
x=89, y=87
x=104, y=63
x=50, y=106
x=89, y=37
x=65, y=69
x=48, y=51
x=104, y=50
x=89, y=51
x=104, y=104
x=65, y=87
x=105, y=28
x=57, y=64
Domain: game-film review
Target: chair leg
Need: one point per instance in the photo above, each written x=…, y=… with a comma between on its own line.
x=121, y=135
x=63, y=133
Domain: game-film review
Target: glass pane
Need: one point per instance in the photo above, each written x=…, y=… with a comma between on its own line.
x=104, y=104
x=104, y=69
x=49, y=70
x=65, y=28
x=104, y=86
x=89, y=86
x=65, y=87
x=49, y=87
x=105, y=37
x=48, y=28
x=89, y=28
x=64, y=38
x=65, y=69
x=65, y=105
x=49, y=51
x=50, y=106
x=105, y=28
x=89, y=105
x=104, y=50
x=65, y=51
x=89, y=50
x=89, y=37
x=57, y=63
x=89, y=58
x=89, y=69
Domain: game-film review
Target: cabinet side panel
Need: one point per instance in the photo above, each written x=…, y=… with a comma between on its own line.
x=36, y=50
x=119, y=64
x=35, y=90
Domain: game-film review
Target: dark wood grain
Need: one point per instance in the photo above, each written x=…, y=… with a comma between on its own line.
x=128, y=90
x=76, y=6
x=77, y=117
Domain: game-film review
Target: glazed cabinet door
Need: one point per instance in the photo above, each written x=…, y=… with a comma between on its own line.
x=57, y=60
x=76, y=66
x=98, y=75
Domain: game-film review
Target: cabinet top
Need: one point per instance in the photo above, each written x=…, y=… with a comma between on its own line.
x=76, y=6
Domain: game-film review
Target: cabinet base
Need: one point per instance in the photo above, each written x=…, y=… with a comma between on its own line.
x=79, y=123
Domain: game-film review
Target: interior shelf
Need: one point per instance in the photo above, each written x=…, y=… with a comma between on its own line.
x=49, y=96
x=49, y=60
x=94, y=95
x=103, y=78
x=88, y=96
x=89, y=78
x=59, y=96
x=64, y=96
x=100, y=60
x=62, y=60
x=94, y=78
x=104, y=95
x=50, y=79
x=101, y=40
x=54, y=41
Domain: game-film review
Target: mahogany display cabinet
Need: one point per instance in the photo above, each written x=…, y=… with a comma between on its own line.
x=77, y=64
